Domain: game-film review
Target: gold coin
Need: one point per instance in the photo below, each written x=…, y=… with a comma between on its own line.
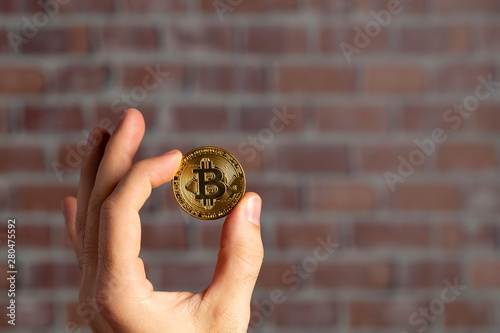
x=209, y=183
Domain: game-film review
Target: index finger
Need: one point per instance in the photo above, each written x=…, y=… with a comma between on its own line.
x=120, y=229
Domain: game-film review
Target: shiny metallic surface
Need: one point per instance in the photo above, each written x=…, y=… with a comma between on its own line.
x=209, y=183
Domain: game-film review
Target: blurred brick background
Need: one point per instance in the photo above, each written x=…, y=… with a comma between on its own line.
x=321, y=175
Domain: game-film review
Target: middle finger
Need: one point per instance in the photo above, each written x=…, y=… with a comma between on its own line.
x=115, y=163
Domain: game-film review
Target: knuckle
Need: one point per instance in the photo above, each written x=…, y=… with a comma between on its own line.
x=139, y=167
x=250, y=256
x=108, y=207
x=94, y=205
x=250, y=260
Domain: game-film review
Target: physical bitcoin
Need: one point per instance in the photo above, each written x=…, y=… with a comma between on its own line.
x=209, y=183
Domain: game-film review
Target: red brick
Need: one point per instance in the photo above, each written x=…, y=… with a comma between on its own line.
x=377, y=44
x=155, y=6
x=363, y=118
x=164, y=236
x=34, y=315
x=4, y=119
x=230, y=78
x=276, y=39
x=276, y=196
x=486, y=274
x=4, y=324
x=312, y=158
x=306, y=314
x=431, y=274
x=21, y=158
x=314, y=79
x=97, y=6
x=21, y=80
x=391, y=235
x=335, y=6
x=158, y=77
x=373, y=314
x=463, y=78
x=199, y=118
x=33, y=236
x=82, y=78
x=488, y=118
x=427, y=117
x=4, y=283
x=40, y=197
x=19, y=6
x=488, y=36
x=3, y=40
x=465, y=6
x=59, y=40
x=364, y=6
x=427, y=197
x=54, y=275
x=328, y=39
x=200, y=38
x=257, y=118
x=383, y=158
x=395, y=79
x=471, y=314
x=54, y=118
x=256, y=6
x=129, y=38
x=408, y=7
x=453, y=236
x=276, y=275
x=342, y=197
x=467, y=156
x=303, y=235
x=5, y=203
x=435, y=39
x=371, y=275
x=176, y=276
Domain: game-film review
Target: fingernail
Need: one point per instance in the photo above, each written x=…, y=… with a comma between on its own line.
x=252, y=210
x=170, y=152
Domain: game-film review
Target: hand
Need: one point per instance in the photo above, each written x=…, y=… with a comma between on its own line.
x=104, y=227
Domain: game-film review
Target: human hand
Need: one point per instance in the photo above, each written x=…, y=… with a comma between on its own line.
x=104, y=227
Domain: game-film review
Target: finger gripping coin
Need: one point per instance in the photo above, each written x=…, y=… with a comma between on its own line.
x=209, y=183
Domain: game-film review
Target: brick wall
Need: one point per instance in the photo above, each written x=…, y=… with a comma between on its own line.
x=366, y=124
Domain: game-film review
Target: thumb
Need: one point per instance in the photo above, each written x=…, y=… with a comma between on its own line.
x=241, y=254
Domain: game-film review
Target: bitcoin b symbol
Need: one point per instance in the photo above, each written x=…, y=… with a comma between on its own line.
x=210, y=185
